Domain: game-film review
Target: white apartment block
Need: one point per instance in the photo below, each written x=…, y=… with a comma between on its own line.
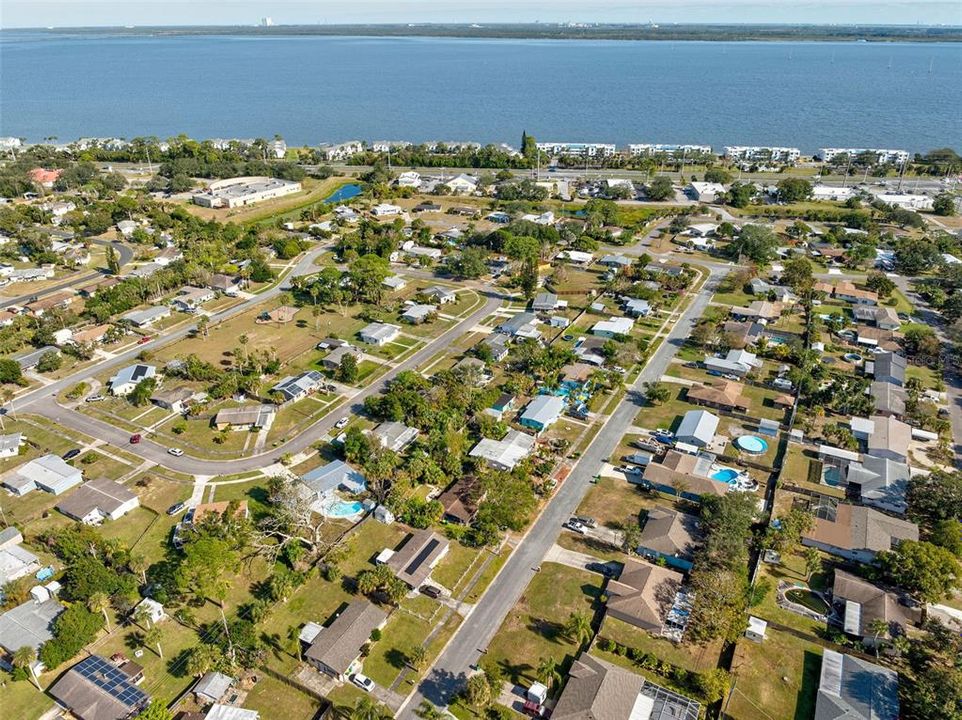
x=882, y=156
x=582, y=149
x=646, y=149
x=237, y=192
x=762, y=153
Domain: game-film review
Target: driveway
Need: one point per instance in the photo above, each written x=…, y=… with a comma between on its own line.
x=448, y=674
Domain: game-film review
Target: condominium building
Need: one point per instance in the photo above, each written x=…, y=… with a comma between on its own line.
x=583, y=149
x=881, y=156
x=762, y=153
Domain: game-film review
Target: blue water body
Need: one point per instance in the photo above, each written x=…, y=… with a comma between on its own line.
x=752, y=444
x=725, y=475
x=345, y=192
x=316, y=89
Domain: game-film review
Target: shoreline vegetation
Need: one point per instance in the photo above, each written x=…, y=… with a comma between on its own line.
x=557, y=31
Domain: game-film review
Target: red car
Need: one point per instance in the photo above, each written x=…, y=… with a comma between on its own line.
x=144, y=339
x=533, y=709
x=134, y=439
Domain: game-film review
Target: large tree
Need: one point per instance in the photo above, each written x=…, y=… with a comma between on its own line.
x=928, y=572
x=755, y=242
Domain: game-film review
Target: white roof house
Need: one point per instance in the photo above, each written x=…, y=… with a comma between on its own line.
x=736, y=362
x=98, y=500
x=295, y=387
x=15, y=560
x=697, y=428
x=10, y=444
x=542, y=412
x=395, y=435
x=505, y=453
x=462, y=184
x=385, y=210
x=613, y=326
x=147, y=316
x=706, y=191
x=576, y=256
x=418, y=313
x=379, y=333
x=48, y=473
x=124, y=382
x=395, y=282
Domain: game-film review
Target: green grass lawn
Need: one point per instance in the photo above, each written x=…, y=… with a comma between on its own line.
x=387, y=657
x=777, y=678
x=668, y=413
x=695, y=658
x=534, y=628
x=20, y=699
x=272, y=698
x=453, y=569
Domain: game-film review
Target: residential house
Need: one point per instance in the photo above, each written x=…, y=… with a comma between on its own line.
x=336, y=648
x=721, y=395
x=92, y=335
x=48, y=472
x=683, y=475
x=168, y=255
x=248, y=417
x=461, y=500
x=417, y=557
x=736, y=362
x=426, y=206
x=889, y=399
x=671, y=537
x=857, y=533
x=441, y=295
x=542, y=412
x=29, y=624
x=212, y=687
x=127, y=227
x=386, y=210
x=882, y=317
x=333, y=360
x=890, y=438
x=379, y=333
x=758, y=310
x=547, y=302
x=616, y=261
x=227, y=284
x=497, y=345
x=850, y=688
x=643, y=595
x=394, y=282
x=98, y=500
x=590, y=350
x=878, y=482
x=394, y=436
x=15, y=560
x=888, y=367
x=598, y=690
x=189, y=299
x=335, y=475
x=10, y=445
x=576, y=257
x=28, y=360
x=294, y=387
x=505, y=453
x=504, y=403
x=417, y=313
x=146, y=270
x=96, y=689
x=147, y=316
x=698, y=428
x=613, y=327
x=847, y=291
x=636, y=307
x=54, y=301
x=462, y=184
x=859, y=603
x=706, y=192
x=126, y=379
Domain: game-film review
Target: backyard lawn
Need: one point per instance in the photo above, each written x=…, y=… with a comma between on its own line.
x=534, y=628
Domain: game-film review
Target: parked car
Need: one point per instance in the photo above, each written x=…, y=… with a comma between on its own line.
x=95, y=398
x=586, y=521
x=145, y=339
x=71, y=454
x=134, y=439
x=602, y=568
x=431, y=591
x=342, y=423
x=176, y=452
x=363, y=682
x=177, y=508
x=533, y=709
x=665, y=438
x=576, y=527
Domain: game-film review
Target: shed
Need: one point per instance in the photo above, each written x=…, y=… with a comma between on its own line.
x=756, y=629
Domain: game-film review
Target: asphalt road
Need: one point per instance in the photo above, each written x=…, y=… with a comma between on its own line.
x=464, y=650
x=125, y=253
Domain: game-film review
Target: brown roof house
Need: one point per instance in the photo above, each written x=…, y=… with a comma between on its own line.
x=598, y=690
x=643, y=595
x=857, y=533
x=858, y=603
x=461, y=500
x=722, y=395
x=683, y=475
x=419, y=555
x=96, y=689
x=336, y=648
x=98, y=500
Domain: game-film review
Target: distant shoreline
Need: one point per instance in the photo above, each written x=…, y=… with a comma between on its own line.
x=544, y=31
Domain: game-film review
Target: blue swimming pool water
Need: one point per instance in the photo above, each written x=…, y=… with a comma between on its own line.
x=342, y=508
x=832, y=476
x=345, y=192
x=752, y=444
x=725, y=475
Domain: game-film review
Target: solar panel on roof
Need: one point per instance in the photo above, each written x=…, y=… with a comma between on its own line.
x=111, y=680
x=421, y=556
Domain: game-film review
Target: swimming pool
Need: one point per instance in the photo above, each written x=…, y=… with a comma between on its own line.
x=338, y=508
x=752, y=444
x=832, y=476
x=725, y=475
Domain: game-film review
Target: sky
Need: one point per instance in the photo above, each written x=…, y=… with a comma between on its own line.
x=76, y=13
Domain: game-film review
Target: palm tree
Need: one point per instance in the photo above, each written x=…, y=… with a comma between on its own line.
x=418, y=657
x=365, y=709
x=427, y=711
x=202, y=325
x=656, y=392
x=548, y=672
x=578, y=627
x=294, y=636
x=878, y=627
x=24, y=659
x=99, y=602
x=139, y=565
x=154, y=637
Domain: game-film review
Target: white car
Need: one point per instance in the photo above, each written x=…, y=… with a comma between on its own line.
x=342, y=423
x=363, y=682
x=176, y=452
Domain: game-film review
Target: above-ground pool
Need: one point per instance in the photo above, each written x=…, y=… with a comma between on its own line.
x=725, y=475
x=853, y=357
x=752, y=444
x=807, y=599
